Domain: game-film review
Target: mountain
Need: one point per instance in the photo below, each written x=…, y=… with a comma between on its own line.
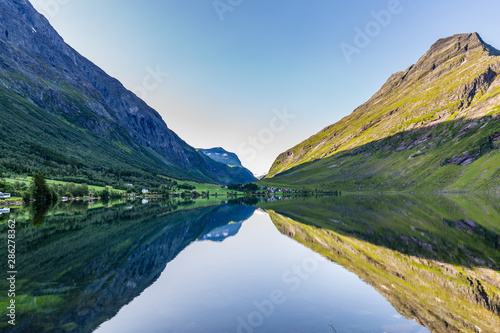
x=221, y=155
x=231, y=159
x=434, y=126
x=65, y=116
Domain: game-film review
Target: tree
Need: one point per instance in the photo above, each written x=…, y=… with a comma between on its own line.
x=39, y=189
x=4, y=186
x=104, y=193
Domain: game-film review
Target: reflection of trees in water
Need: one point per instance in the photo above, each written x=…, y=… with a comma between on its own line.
x=244, y=201
x=429, y=227
x=77, y=207
x=38, y=211
x=434, y=258
x=90, y=265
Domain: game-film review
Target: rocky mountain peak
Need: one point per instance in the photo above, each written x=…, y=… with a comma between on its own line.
x=22, y=26
x=460, y=45
x=457, y=43
x=444, y=57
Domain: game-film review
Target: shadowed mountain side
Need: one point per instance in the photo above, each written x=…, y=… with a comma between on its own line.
x=462, y=154
x=222, y=156
x=443, y=297
x=41, y=75
x=231, y=159
x=97, y=261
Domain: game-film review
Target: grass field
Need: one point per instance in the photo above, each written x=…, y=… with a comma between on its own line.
x=27, y=180
x=211, y=188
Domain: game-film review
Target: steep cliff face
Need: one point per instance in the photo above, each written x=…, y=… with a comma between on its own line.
x=38, y=66
x=452, y=92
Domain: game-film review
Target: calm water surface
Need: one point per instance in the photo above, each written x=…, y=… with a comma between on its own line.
x=357, y=264
x=228, y=286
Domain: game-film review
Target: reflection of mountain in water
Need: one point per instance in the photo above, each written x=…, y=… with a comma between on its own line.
x=436, y=259
x=221, y=233
x=80, y=269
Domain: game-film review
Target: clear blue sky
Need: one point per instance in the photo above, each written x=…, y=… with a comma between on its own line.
x=227, y=76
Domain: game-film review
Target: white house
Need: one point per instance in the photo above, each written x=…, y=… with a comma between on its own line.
x=4, y=210
x=4, y=195
x=145, y=190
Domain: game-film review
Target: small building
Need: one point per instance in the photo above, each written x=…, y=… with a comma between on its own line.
x=4, y=195
x=145, y=190
x=5, y=210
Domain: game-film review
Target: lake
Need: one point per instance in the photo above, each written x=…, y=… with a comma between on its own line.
x=327, y=264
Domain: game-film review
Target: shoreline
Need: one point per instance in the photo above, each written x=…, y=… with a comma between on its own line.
x=11, y=203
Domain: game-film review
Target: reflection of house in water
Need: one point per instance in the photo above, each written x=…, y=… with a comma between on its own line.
x=4, y=210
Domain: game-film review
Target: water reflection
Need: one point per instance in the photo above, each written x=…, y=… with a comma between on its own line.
x=436, y=259
x=78, y=265
x=257, y=281
x=197, y=266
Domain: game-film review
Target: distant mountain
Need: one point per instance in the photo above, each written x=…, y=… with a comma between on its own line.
x=434, y=126
x=260, y=177
x=65, y=116
x=231, y=159
x=223, y=156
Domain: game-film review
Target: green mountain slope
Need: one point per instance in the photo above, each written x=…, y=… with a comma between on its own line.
x=59, y=102
x=35, y=140
x=434, y=126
